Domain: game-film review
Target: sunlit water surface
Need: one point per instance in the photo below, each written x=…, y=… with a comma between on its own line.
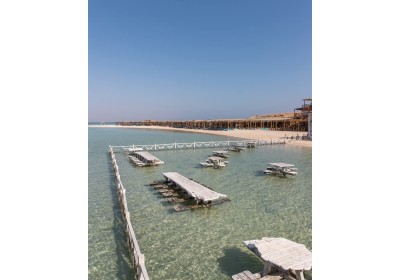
x=198, y=244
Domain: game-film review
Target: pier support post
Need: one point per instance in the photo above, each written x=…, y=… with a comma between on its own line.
x=299, y=275
x=139, y=266
x=267, y=269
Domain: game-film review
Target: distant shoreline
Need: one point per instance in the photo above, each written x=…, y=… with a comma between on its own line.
x=239, y=133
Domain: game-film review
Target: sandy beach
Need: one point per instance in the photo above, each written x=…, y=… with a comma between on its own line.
x=240, y=133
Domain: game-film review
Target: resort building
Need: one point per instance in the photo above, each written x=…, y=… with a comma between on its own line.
x=305, y=112
x=298, y=121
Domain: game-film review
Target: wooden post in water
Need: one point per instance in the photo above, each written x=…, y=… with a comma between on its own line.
x=267, y=269
x=299, y=275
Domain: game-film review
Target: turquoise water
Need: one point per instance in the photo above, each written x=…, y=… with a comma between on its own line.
x=202, y=243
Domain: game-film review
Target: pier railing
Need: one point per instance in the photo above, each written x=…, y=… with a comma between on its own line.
x=137, y=256
x=210, y=144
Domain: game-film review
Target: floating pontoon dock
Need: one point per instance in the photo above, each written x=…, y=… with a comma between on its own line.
x=236, y=148
x=251, y=144
x=216, y=162
x=280, y=168
x=281, y=257
x=223, y=154
x=143, y=158
x=202, y=195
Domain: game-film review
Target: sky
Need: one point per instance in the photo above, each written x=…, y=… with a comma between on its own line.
x=185, y=60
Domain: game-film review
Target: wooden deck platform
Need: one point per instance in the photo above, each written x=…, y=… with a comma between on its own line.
x=286, y=256
x=223, y=154
x=168, y=194
x=199, y=192
x=143, y=158
x=156, y=187
x=146, y=155
x=247, y=275
x=175, y=200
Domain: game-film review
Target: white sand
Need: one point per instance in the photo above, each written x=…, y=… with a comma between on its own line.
x=240, y=133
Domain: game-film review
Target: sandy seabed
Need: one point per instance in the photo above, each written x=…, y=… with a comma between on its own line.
x=238, y=133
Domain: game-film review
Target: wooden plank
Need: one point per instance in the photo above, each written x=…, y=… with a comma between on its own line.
x=249, y=275
x=245, y=275
x=179, y=208
x=193, y=188
x=146, y=155
x=271, y=277
x=282, y=253
x=175, y=200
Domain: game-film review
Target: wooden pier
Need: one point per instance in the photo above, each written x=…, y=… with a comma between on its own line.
x=137, y=256
x=286, y=124
x=200, y=145
x=299, y=120
x=179, y=189
x=199, y=192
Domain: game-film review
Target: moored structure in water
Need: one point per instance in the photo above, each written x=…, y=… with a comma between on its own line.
x=282, y=258
x=222, y=154
x=142, y=158
x=280, y=168
x=213, y=161
x=202, y=195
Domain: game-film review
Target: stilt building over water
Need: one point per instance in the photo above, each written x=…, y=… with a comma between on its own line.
x=305, y=112
x=298, y=121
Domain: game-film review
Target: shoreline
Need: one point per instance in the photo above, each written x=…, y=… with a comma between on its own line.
x=239, y=133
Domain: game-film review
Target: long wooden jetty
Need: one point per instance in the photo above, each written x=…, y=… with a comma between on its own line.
x=196, y=145
x=137, y=256
x=286, y=124
x=300, y=120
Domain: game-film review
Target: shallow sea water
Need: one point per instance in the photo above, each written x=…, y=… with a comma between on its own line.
x=200, y=243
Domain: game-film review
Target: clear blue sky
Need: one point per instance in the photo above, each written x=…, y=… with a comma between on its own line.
x=186, y=59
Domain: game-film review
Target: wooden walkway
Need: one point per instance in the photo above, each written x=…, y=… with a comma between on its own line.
x=280, y=123
x=198, y=145
x=199, y=192
x=137, y=256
